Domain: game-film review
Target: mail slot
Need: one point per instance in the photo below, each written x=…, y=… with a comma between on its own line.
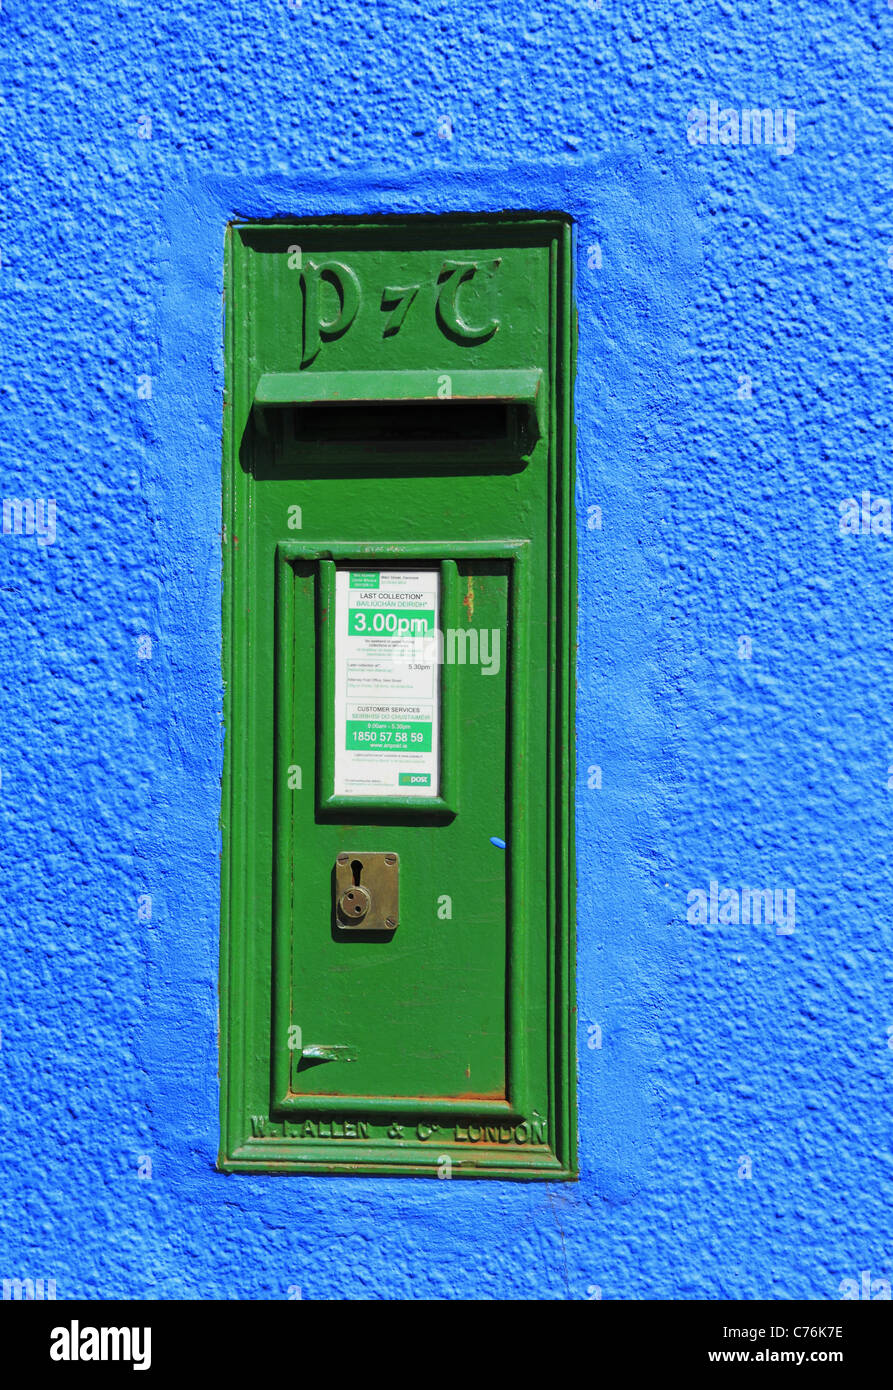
x=399, y=566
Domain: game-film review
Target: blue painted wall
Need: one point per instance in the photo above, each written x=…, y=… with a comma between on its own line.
x=735, y=660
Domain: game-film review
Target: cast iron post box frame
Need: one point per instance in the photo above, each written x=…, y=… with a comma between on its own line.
x=276, y=582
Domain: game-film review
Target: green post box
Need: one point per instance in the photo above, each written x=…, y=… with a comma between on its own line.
x=397, y=948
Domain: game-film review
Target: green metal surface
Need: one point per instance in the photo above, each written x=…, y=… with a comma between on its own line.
x=398, y=398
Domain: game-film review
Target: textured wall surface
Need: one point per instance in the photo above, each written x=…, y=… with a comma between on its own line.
x=735, y=660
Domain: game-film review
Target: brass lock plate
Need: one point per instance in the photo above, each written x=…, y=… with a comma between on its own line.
x=367, y=891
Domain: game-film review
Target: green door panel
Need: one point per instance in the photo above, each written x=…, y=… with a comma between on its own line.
x=423, y=1013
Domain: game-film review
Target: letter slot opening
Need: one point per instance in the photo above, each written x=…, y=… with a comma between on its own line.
x=494, y=413
x=408, y=424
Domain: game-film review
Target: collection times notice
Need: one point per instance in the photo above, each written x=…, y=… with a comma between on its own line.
x=387, y=686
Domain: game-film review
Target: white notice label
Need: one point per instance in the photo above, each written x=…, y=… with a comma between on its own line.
x=387, y=683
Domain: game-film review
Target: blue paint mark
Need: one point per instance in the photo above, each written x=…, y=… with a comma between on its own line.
x=494, y=840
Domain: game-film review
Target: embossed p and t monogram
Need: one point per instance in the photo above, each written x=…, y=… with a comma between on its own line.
x=318, y=330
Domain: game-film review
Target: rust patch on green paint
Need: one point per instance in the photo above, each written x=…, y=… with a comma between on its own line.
x=468, y=601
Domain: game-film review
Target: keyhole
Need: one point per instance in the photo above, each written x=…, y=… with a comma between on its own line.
x=358, y=907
